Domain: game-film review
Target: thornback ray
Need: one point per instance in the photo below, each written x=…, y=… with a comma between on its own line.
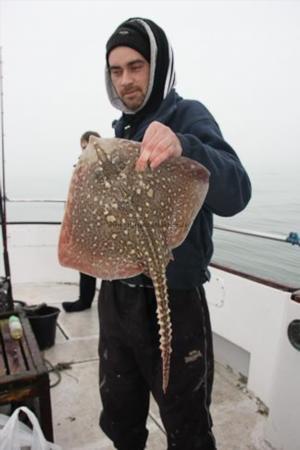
x=119, y=223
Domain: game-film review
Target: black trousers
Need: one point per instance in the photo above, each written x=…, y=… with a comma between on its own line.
x=87, y=288
x=130, y=367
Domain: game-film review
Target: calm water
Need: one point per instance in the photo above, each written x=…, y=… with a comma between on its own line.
x=274, y=208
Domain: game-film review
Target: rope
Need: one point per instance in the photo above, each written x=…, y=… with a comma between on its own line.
x=57, y=369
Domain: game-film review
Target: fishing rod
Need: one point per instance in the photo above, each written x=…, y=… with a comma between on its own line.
x=7, y=280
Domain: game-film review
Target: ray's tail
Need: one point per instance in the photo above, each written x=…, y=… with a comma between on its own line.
x=165, y=326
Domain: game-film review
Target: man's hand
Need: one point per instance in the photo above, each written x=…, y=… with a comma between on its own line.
x=159, y=144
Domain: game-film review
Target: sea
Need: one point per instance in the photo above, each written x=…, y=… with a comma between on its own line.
x=274, y=210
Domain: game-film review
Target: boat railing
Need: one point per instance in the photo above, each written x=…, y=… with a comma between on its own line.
x=293, y=238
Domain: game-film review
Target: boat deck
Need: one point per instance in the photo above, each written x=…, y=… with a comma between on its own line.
x=238, y=422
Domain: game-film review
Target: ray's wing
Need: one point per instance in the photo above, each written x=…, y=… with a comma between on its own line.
x=190, y=181
x=98, y=233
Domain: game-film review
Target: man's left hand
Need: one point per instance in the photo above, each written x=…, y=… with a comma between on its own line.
x=159, y=144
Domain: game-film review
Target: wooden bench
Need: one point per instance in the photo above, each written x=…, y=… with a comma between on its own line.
x=23, y=374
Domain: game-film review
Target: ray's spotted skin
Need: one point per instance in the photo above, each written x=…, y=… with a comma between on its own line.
x=119, y=222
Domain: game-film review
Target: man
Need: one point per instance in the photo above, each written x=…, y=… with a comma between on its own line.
x=87, y=284
x=140, y=82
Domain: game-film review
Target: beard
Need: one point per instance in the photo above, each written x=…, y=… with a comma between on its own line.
x=133, y=98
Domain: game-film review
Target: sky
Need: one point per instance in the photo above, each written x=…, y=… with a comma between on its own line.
x=239, y=58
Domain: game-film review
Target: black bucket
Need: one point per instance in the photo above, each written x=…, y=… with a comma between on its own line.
x=43, y=322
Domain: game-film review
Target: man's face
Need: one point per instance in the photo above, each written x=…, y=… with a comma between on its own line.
x=129, y=72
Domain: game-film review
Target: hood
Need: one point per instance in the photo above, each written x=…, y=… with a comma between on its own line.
x=162, y=73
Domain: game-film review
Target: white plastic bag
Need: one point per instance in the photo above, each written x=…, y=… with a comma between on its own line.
x=15, y=435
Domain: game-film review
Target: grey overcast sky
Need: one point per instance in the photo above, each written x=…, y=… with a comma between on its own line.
x=240, y=58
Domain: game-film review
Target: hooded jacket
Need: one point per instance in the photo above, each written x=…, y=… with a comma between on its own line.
x=229, y=186
x=201, y=140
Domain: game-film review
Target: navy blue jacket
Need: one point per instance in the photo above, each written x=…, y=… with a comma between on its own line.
x=229, y=188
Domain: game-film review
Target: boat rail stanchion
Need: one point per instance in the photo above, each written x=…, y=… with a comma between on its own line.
x=293, y=238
